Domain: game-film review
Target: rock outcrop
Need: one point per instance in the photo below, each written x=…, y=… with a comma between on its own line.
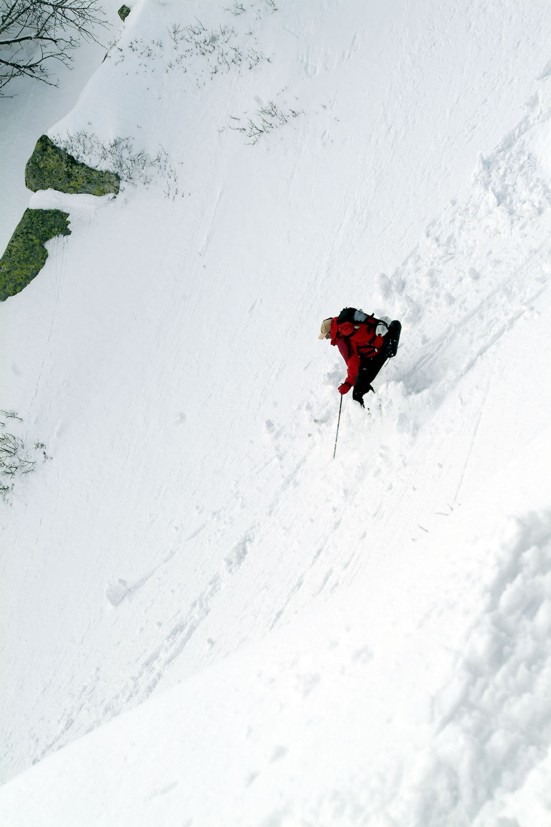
x=50, y=167
x=26, y=254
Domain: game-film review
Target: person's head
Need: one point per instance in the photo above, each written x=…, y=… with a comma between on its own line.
x=325, y=329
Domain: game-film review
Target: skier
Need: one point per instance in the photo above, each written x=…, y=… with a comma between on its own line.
x=365, y=343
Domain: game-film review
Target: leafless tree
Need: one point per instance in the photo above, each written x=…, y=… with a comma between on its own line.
x=34, y=34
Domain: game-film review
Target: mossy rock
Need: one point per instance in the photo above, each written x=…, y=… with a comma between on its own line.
x=123, y=12
x=26, y=254
x=50, y=167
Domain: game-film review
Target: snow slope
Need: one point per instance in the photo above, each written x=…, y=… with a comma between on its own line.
x=362, y=640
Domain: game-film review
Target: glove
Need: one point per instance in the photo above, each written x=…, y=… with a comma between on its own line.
x=344, y=388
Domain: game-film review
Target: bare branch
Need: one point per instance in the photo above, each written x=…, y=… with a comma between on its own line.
x=35, y=32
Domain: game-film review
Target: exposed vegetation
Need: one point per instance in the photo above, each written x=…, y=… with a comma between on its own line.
x=205, y=52
x=15, y=459
x=265, y=120
x=120, y=156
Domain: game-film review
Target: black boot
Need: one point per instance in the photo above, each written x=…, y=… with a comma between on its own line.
x=358, y=396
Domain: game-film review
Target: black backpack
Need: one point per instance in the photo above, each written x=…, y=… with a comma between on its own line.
x=352, y=314
x=393, y=330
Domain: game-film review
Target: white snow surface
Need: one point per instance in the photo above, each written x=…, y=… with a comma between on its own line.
x=206, y=619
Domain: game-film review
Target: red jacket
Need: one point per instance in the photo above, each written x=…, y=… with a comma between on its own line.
x=356, y=341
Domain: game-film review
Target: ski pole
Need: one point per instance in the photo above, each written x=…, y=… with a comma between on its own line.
x=338, y=425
